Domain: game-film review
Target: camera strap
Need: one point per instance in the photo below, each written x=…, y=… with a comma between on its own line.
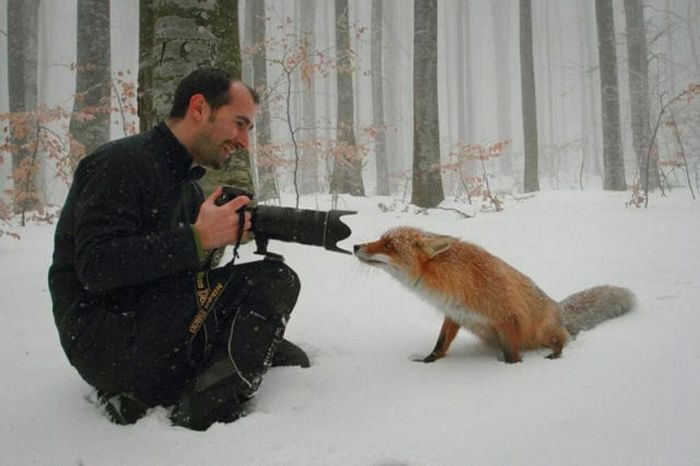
x=206, y=296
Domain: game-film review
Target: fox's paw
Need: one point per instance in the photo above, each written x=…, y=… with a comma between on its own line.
x=432, y=357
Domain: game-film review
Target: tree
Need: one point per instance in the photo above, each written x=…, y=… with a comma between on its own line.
x=22, y=39
x=529, y=106
x=501, y=15
x=309, y=168
x=376, y=52
x=613, y=163
x=90, y=121
x=177, y=37
x=638, y=69
x=347, y=170
x=427, y=178
x=267, y=187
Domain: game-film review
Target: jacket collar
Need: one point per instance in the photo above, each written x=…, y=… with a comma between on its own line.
x=176, y=155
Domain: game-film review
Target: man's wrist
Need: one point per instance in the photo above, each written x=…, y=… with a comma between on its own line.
x=201, y=255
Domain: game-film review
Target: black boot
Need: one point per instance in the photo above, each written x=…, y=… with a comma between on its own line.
x=289, y=354
x=121, y=408
x=198, y=409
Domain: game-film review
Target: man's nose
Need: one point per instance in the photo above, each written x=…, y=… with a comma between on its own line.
x=242, y=139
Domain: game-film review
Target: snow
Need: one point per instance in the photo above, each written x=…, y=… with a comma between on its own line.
x=625, y=393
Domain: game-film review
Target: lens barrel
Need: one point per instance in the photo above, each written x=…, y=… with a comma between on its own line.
x=312, y=227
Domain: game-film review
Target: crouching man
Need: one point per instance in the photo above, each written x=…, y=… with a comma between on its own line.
x=129, y=282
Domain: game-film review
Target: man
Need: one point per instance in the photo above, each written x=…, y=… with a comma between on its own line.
x=136, y=310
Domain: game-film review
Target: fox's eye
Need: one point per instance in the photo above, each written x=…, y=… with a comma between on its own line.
x=389, y=246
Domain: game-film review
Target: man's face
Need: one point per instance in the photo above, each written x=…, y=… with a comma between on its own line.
x=225, y=129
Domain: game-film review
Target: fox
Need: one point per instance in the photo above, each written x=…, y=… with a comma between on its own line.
x=485, y=295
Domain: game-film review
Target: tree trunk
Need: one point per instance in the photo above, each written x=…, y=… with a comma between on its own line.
x=427, y=179
x=267, y=186
x=382, y=164
x=93, y=78
x=529, y=105
x=147, y=60
x=186, y=35
x=613, y=163
x=638, y=68
x=501, y=12
x=347, y=170
x=22, y=57
x=245, y=10
x=309, y=155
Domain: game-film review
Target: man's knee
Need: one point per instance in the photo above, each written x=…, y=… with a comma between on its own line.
x=281, y=275
x=279, y=285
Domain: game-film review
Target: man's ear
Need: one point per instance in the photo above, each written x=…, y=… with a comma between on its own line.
x=198, y=107
x=435, y=244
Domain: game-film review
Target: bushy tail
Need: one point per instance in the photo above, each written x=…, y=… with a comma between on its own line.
x=586, y=309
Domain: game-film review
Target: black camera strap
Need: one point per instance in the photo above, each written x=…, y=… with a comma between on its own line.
x=206, y=296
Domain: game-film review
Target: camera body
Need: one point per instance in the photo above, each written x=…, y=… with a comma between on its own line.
x=304, y=226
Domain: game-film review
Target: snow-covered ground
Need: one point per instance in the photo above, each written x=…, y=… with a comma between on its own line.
x=625, y=393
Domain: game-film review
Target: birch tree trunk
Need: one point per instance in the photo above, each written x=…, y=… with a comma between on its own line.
x=347, y=170
x=427, y=178
x=529, y=106
x=613, y=163
x=93, y=78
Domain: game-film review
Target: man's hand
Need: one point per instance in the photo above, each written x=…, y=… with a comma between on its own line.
x=218, y=225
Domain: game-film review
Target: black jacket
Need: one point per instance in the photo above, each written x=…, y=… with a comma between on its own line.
x=125, y=227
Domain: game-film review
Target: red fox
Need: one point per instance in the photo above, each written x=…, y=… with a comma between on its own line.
x=485, y=295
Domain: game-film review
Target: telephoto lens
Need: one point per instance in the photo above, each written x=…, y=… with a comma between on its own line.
x=311, y=227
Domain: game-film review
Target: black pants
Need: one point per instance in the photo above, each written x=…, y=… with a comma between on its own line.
x=242, y=329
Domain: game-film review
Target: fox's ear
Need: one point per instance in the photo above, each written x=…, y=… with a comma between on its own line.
x=436, y=244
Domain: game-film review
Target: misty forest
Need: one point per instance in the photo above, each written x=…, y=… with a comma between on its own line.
x=472, y=101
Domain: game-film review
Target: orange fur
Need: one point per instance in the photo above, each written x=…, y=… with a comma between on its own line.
x=475, y=289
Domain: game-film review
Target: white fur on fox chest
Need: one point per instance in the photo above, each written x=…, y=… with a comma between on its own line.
x=446, y=304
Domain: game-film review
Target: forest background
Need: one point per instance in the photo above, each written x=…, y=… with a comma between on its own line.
x=510, y=96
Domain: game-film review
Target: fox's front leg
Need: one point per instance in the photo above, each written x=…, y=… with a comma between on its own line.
x=509, y=335
x=447, y=334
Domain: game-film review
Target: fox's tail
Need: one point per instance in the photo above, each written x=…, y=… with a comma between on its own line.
x=586, y=309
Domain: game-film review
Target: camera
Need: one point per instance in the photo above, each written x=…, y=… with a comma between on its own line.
x=311, y=227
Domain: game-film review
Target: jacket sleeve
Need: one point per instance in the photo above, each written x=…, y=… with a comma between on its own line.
x=111, y=249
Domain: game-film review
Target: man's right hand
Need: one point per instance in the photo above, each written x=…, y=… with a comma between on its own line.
x=218, y=226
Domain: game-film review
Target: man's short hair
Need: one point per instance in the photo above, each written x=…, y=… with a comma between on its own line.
x=212, y=83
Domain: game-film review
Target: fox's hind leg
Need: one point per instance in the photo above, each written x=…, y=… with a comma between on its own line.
x=557, y=340
x=448, y=332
